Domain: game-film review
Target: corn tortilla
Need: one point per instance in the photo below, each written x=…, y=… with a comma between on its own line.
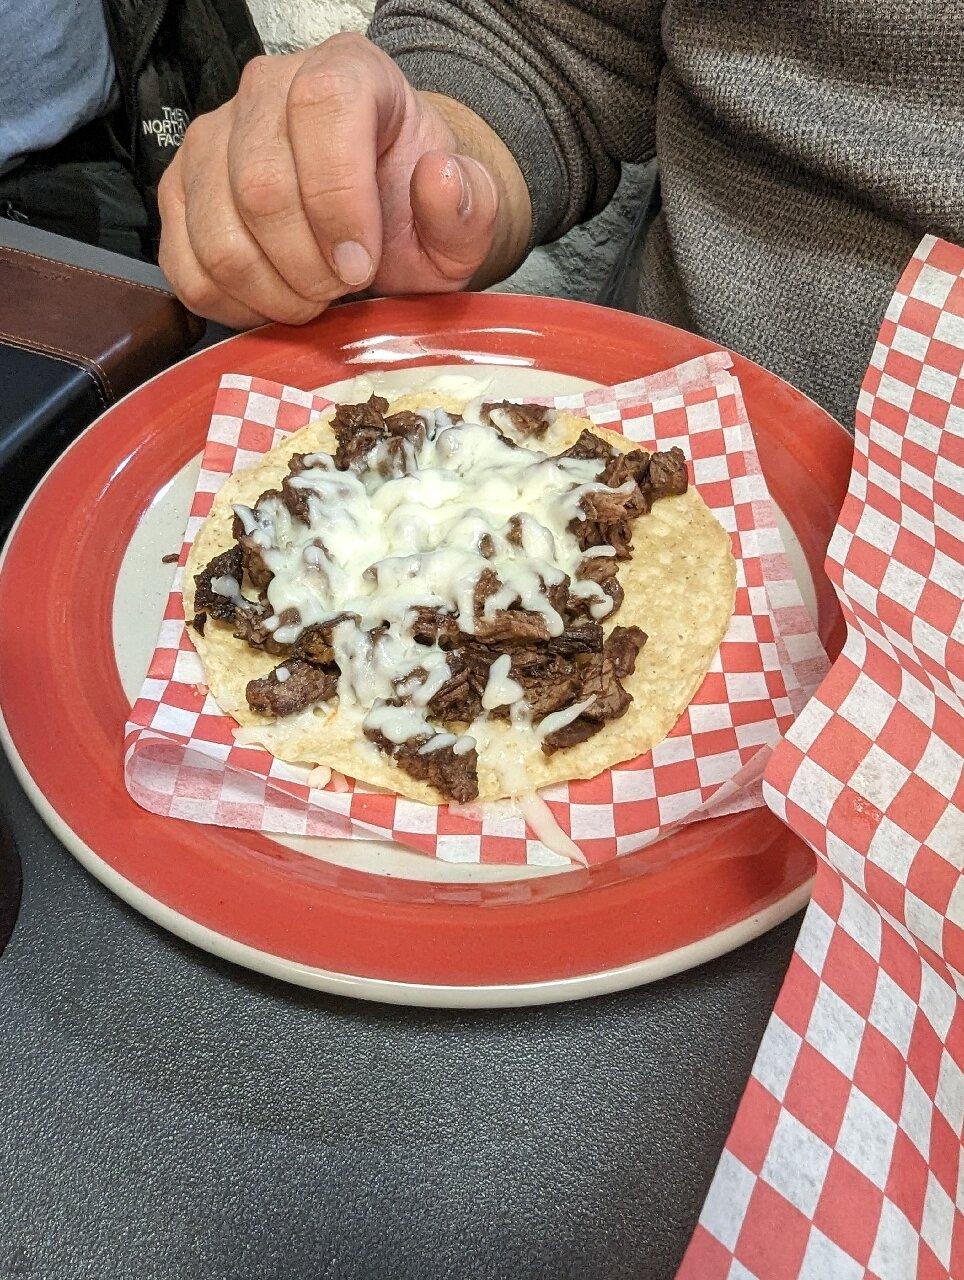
x=679, y=587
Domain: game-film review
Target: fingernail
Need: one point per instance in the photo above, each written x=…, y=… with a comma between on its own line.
x=465, y=197
x=352, y=262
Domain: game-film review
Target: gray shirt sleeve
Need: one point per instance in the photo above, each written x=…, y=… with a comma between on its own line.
x=569, y=85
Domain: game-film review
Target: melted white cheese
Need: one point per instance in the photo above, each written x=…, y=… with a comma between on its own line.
x=539, y=817
x=379, y=545
x=559, y=719
x=500, y=689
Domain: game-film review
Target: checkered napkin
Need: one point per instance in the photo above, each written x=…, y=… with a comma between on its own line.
x=182, y=760
x=844, y=1161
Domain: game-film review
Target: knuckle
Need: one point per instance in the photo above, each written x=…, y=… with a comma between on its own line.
x=254, y=73
x=351, y=42
x=327, y=90
x=196, y=133
x=196, y=292
x=260, y=188
x=338, y=186
x=225, y=255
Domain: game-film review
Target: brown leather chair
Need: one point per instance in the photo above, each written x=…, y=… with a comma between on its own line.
x=74, y=338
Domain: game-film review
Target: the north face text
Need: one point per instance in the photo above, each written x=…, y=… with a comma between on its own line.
x=167, y=129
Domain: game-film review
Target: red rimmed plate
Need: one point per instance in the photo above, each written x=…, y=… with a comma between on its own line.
x=81, y=589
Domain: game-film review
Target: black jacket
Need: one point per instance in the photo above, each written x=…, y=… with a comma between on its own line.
x=175, y=60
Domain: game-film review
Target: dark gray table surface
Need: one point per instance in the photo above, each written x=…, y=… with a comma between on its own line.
x=166, y=1115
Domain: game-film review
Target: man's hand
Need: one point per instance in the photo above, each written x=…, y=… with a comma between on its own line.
x=328, y=174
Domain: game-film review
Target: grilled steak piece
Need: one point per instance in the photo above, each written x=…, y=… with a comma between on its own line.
x=358, y=428
x=623, y=645
x=599, y=678
x=583, y=637
x=252, y=558
x=528, y=420
x=460, y=698
x=456, y=777
x=295, y=497
x=355, y=447
x=369, y=416
x=667, y=474
x=304, y=684
x=509, y=627
x=314, y=643
x=551, y=680
x=590, y=447
x=405, y=423
x=630, y=468
x=505, y=626
x=206, y=600
x=435, y=626
x=249, y=625
x=602, y=571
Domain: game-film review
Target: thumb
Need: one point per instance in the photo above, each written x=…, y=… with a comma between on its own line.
x=455, y=203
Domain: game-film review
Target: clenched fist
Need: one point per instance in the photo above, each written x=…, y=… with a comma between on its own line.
x=328, y=174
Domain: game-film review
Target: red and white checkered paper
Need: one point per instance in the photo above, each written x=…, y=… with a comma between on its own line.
x=844, y=1161
x=182, y=759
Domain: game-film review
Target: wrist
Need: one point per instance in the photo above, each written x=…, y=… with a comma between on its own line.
x=473, y=137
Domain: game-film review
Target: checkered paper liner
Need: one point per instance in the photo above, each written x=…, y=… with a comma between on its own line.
x=845, y=1159
x=182, y=760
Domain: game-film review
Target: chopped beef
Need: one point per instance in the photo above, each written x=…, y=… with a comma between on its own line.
x=198, y=622
x=460, y=698
x=405, y=423
x=486, y=546
x=511, y=627
x=207, y=600
x=358, y=428
x=513, y=531
x=667, y=473
x=610, y=699
x=297, y=463
x=314, y=643
x=395, y=459
x=604, y=506
x=237, y=524
x=528, y=420
x=599, y=678
x=602, y=571
x=590, y=447
x=571, y=734
x=550, y=680
x=487, y=585
x=626, y=468
x=557, y=594
x=617, y=533
x=586, y=637
x=434, y=626
x=252, y=557
x=456, y=777
x=295, y=497
x=304, y=685
x=249, y=625
x=355, y=448
x=172, y=557
x=369, y=416
x=504, y=626
x=623, y=645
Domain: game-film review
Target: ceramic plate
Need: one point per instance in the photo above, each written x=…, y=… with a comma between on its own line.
x=82, y=589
